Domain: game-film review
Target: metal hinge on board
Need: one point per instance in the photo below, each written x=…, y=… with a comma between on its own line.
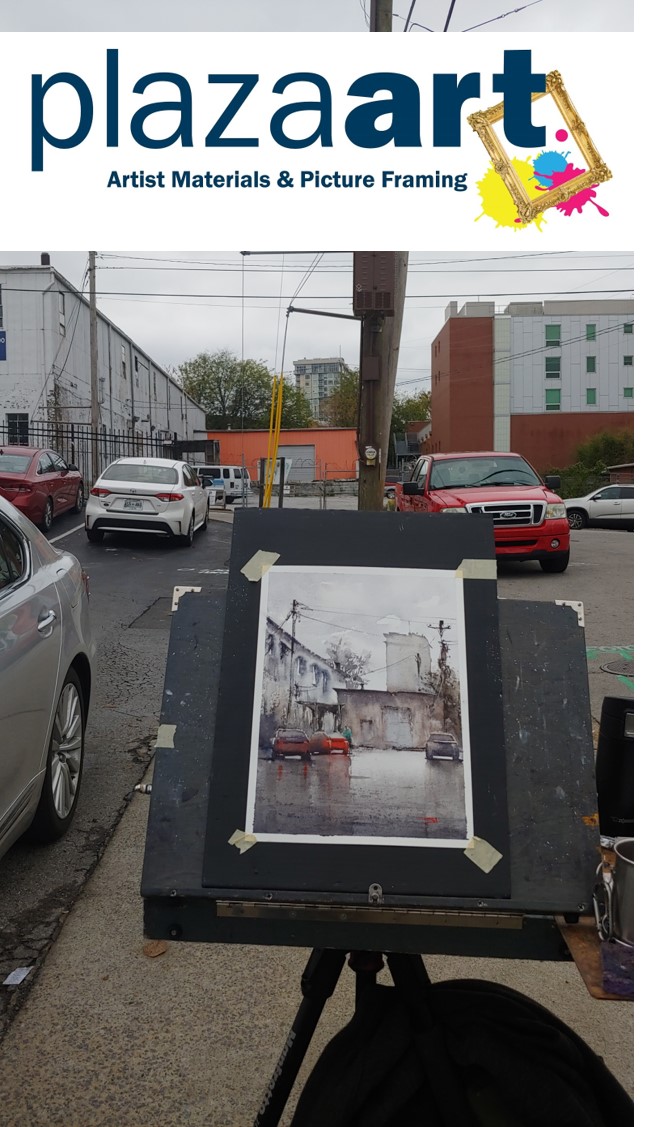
x=375, y=894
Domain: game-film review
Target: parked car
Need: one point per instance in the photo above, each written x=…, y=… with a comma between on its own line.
x=528, y=516
x=226, y=480
x=158, y=495
x=46, y=653
x=612, y=504
x=321, y=743
x=290, y=741
x=40, y=483
x=442, y=745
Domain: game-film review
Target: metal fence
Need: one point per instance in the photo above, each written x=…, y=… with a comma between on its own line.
x=77, y=442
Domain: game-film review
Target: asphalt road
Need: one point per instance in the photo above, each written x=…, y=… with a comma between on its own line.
x=132, y=579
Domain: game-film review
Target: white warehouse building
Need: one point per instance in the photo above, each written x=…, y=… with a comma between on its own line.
x=45, y=366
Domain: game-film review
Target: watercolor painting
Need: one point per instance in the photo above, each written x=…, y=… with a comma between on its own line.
x=360, y=731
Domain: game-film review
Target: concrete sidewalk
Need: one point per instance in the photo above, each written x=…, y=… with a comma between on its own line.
x=112, y=1037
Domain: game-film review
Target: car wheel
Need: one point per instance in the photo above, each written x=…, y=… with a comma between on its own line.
x=577, y=519
x=188, y=539
x=94, y=535
x=62, y=782
x=80, y=500
x=48, y=515
x=556, y=563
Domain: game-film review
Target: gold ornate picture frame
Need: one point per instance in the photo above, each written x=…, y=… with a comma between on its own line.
x=527, y=207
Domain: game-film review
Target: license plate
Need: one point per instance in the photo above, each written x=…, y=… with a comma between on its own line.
x=130, y=503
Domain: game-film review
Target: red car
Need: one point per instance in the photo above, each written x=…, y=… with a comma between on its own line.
x=290, y=741
x=323, y=744
x=39, y=483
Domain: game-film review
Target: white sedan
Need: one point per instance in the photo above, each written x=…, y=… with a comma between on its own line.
x=612, y=504
x=46, y=655
x=158, y=495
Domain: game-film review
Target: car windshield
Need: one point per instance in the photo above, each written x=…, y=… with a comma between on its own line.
x=153, y=475
x=452, y=473
x=14, y=463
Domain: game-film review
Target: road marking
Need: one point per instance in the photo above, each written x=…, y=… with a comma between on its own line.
x=64, y=534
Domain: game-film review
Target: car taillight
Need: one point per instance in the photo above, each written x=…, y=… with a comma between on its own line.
x=169, y=496
x=85, y=579
x=100, y=492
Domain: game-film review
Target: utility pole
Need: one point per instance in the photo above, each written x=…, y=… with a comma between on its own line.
x=379, y=284
x=381, y=18
x=94, y=366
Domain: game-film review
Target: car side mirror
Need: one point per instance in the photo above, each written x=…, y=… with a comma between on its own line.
x=412, y=489
x=553, y=481
x=75, y=469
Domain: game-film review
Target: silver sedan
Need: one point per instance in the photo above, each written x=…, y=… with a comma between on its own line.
x=46, y=654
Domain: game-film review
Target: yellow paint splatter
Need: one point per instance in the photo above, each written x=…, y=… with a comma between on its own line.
x=591, y=819
x=496, y=200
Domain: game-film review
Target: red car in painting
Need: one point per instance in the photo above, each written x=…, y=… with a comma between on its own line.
x=39, y=483
x=290, y=741
x=323, y=744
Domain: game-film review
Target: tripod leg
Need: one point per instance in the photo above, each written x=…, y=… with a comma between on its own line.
x=317, y=984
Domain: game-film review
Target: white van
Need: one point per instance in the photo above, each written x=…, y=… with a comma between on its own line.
x=225, y=479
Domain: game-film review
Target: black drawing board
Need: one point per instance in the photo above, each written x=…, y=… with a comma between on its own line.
x=377, y=566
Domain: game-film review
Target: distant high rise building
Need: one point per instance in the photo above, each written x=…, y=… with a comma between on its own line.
x=317, y=379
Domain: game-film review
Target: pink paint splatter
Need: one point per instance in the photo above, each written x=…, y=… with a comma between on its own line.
x=561, y=135
x=577, y=201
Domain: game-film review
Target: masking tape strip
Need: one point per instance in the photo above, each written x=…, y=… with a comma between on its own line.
x=476, y=569
x=260, y=563
x=242, y=841
x=166, y=735
x=484, y=855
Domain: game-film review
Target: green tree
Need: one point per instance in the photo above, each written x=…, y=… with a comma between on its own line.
x=612, y=448
x=238, y=394
x=341, y=409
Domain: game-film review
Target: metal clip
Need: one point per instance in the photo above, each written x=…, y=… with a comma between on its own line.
x=603, y=901
x=375, y=894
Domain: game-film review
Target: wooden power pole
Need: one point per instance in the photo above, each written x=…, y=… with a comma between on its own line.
x=379, y=283
x=94, y=367
x=381, y=15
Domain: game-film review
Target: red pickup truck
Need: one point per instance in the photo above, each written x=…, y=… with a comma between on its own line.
x=530, y=520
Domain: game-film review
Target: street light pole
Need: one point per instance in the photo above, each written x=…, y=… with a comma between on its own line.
x=94, y=366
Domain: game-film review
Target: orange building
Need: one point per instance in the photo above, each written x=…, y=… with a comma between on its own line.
x=316, y=454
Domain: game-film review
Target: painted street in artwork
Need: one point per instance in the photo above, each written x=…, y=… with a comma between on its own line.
x=361, y=725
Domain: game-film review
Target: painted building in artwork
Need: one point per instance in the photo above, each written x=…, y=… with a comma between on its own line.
x=402, y=720
x=408, y=663
x=299, y=686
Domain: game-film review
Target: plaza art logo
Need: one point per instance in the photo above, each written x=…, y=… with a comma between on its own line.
x=518, y=192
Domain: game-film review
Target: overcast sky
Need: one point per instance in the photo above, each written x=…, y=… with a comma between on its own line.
x=313, y=15
x=175, y=305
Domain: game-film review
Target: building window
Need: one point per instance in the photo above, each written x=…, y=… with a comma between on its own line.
x=553, y=400
x=154, y=386
x=301, y=666
x=61, y=314
x=590, y=364
x=590, y=332
x=136, y=371
x=553, y=334
x=553, y=367
x=17, y=428
x=123, y=361
x=628, y=392
x=591, y=396
x=628, y=361
x=269, y=644
x=628, y=327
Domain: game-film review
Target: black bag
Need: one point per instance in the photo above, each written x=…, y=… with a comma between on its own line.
x=462, y=1054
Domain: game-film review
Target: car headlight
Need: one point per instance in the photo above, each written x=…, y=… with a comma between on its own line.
x=555, y=512
x=456, y=509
